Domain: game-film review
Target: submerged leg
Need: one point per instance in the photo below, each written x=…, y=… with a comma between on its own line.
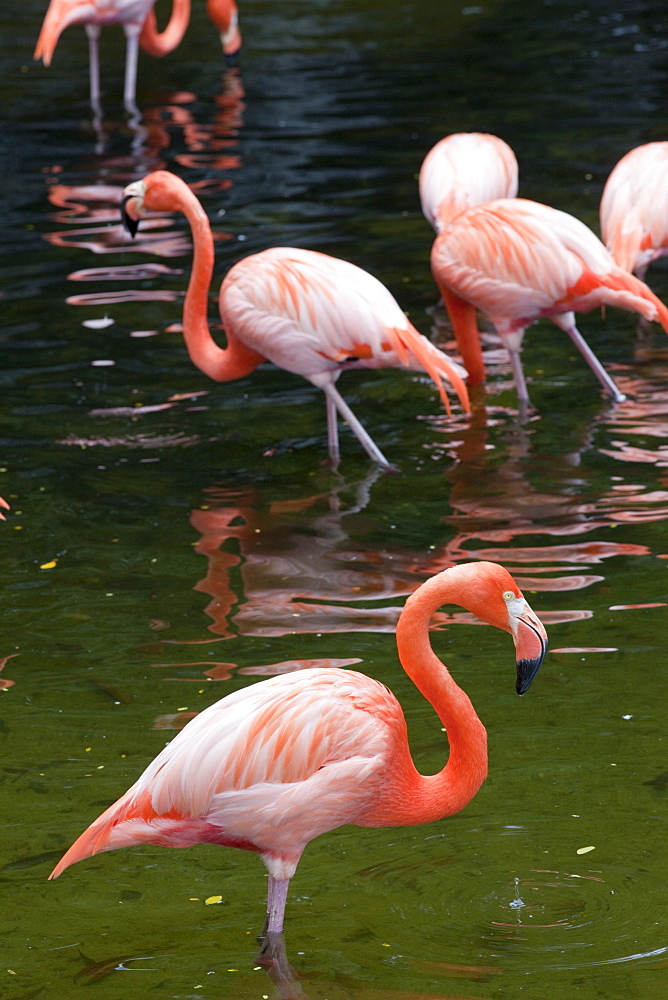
x=370, y=447
x=518, y=377
x=93, y=32
x=595, y=365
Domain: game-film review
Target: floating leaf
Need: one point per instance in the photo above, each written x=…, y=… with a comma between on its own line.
x=213, y=899
x=49, y=565
x=585, y=850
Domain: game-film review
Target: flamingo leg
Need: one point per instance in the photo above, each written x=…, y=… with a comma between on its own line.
x=277, y=896
x=333, y=433
x=132, y=32
x=518, y=377
x=337, y=401
x=93, y=32
x=595, y=365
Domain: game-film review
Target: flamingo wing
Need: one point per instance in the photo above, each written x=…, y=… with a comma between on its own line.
x=267, y=768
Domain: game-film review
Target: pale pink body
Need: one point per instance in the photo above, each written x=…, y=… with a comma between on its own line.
x=273, y=765
x=462, y=170
x=634, y=208
x=308, y=313
x=516, y=261
x=3, y=503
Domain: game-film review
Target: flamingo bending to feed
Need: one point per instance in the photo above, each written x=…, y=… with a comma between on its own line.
x=517, y=260
x=462, y=170
x=634, y=208
x=274, y=765
x=139, y=24
x=308, y=313
x=225, y=16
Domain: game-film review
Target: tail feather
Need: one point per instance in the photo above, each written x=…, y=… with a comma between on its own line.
x=620, y=288
x=100, y=837
x=57, y=18
x=410, y=345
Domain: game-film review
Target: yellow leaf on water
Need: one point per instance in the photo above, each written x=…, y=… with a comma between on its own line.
x=213, y=899
x=585, y=850
x=49, y=565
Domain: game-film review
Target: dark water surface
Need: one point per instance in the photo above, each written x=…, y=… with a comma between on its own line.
x=171, y=539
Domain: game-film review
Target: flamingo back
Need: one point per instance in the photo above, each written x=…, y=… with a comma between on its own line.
x=267, y=768
x=317, y=315
x=462, y=170
x=517, y=259
x=634, y=207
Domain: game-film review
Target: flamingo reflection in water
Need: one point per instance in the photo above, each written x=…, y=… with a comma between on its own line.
x=275, y=764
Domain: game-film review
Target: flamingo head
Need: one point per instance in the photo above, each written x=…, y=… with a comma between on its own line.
x=160, y=191
x=493, y=595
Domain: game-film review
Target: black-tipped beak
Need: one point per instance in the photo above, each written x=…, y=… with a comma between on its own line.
x=527, y=669
x=130, y=224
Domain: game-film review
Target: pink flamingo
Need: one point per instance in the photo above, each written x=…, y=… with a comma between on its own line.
x=634, y=208
x=139, y=25
x=517, y=260
x=274, y=765
x=5, y=505
x=465, y=169
x=309, y=313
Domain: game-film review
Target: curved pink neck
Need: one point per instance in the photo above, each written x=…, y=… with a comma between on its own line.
x=159, y=43
x=410, y=797
x=221, y=364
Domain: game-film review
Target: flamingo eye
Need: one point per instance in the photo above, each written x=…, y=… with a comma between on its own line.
x=508, y=595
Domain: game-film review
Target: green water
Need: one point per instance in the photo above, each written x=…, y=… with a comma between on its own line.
x=158, y=557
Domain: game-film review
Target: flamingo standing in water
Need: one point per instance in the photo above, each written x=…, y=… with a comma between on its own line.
x=5, y=505
x=462, y=170
x=309, y=313
x=634, y=208
x=517, y=260
x=274, y=765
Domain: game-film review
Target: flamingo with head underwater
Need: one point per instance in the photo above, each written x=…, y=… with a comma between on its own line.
x=517, y=260
x=634, y=208
x=465, y=169
x=138, y=22
x=274, y=765
x=309, y=313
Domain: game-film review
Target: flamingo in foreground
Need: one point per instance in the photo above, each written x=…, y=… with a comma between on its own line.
x=139, y=24
x=517, y=260
x=634, y=208
x=5, y=505
x=274, y=765
x=462, y=170
x=309, y=313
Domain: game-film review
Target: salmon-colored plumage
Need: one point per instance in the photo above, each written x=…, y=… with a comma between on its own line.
x=3, y=503
x=462, y=170
x=517, y=260
x=308, y=313
x=95, y=14
x=634, y=208
x=275, y=764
